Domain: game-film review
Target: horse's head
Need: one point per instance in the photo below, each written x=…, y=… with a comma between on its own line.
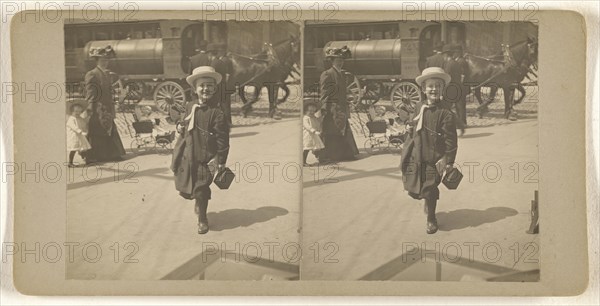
x=532, y=45
x=525, y=50
x=295, y=45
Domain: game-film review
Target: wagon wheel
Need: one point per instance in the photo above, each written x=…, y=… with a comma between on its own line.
x=372, y=93
x=375, y=145
x=136, y=146
x=486, y=94
x=168, y=94
x=163, y=146
x=134, y=92
x=251, y=96
x=353, y=92
x=406, y=93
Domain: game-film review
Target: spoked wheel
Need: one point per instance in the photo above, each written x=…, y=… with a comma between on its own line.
x=405, y=93
x=135, y=147
x=486, y=94
x=353, y=91
x=141, y=145
x=396, y=143
x=163, y=146
x=168, y=94
x=251, y=93
x=375, y=145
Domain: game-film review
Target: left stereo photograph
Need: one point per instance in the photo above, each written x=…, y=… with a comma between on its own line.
x=182, y=140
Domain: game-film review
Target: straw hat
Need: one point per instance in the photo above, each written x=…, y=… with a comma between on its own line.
x=203, y=72
x=433, y=72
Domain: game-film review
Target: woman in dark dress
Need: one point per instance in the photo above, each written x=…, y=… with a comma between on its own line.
x=337, y=135
x=103, y=134
x=433, y=145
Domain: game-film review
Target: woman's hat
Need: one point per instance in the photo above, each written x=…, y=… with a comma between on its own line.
x=343, y=52
x=431, y=73
x=102, y=52
x=203, y=72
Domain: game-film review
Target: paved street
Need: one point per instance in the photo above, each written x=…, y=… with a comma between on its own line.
x=366, y=227
x=131, y=212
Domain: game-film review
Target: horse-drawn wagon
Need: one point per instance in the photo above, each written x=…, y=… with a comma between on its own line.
x=155, y=65
x=387, y=56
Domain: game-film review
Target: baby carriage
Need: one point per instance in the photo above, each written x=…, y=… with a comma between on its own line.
x=149, y=136
x=384, y=134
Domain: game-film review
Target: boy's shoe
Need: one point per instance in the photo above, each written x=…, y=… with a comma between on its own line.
x=432, y=227
x=202, y=228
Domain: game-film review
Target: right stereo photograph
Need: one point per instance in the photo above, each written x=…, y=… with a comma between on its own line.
x=420, y=151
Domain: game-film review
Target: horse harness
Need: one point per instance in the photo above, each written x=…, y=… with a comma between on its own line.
x=508, y=62
x=270, y=62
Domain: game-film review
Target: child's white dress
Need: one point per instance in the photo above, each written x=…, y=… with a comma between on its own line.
x=310, y=125
x=75, y=139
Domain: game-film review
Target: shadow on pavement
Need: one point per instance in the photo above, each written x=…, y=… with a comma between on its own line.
x=243, y=134
x=330, y=175
x=467, y=135
x=233, y=218
x=463, y=218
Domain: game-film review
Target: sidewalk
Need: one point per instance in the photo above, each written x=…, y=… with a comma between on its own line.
x=376, y=231
x=131, y=211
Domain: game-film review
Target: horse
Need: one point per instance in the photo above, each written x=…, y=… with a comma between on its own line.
x=505, y=71
x=285, y=65
x=269, y=69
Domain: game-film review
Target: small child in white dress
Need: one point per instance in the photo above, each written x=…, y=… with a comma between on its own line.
x=76, y=133
x=311, y=131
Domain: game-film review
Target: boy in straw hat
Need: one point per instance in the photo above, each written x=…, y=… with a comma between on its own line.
x=433, y=145
x=204, y=135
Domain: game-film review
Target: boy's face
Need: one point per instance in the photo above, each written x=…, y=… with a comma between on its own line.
x=312, y=109
x=205, y=88
x=433, y=89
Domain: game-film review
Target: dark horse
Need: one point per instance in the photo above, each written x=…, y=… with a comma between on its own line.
x=505, y=71
x=269, y=69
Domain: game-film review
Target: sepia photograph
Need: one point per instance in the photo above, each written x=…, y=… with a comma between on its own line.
x=310, y=150
x=176, y=132
x=420, y=149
